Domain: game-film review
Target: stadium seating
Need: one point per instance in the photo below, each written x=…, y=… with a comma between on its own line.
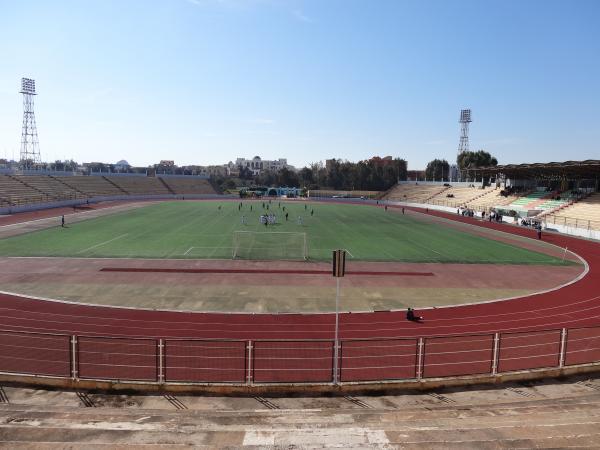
x=458, y=195
x=49, y=186
x=92, y=186
x=471, y=197
x=17, y=190
x=582, y=214
x=140, y=185
x=489, y=199
x=414, y=193
x=189, y=185
x=542, y=200
x=14, y=192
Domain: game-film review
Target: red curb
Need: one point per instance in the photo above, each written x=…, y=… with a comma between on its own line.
x=264, y=271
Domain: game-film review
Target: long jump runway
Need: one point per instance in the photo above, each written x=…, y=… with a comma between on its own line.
x=576, y=305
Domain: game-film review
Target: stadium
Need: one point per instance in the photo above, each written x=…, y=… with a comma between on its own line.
x=318, y=243
x=170, y=285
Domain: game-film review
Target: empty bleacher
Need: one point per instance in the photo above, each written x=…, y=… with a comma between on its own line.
x=458, y=195
x=93, y=186
x=413, y=193
x=139, y=185
x=19, y=190
x=49, y=186
x=14, y=192
x=582, y=214
x=192, y=185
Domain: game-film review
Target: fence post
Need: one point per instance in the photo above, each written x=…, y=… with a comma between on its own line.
x=74, y=373
x=161, y=356
x=249, y=364
x=420, y=359
x=563, y=342
x=495, y=353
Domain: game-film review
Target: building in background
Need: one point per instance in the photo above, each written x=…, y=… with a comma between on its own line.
x=122, y=166
x=382, y=162
x=256, y=165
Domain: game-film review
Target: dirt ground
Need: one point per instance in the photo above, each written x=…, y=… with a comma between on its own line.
x=83, y=280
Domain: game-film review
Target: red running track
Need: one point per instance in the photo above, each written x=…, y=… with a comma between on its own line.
x=574, y=306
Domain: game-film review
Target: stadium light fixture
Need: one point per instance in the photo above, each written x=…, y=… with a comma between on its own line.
x=27, y=86
x=465, y=115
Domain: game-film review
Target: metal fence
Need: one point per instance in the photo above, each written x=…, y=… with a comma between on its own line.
x=573, y=222
x=250, y=362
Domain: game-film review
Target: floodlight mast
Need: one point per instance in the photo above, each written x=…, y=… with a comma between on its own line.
x=465, y=120
x=30, y=147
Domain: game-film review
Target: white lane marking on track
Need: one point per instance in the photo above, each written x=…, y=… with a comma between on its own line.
x=102, y=243
x=116, y=208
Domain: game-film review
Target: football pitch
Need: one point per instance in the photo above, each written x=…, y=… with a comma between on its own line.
x=210, y=230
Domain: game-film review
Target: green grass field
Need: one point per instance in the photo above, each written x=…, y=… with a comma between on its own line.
x=198, y=230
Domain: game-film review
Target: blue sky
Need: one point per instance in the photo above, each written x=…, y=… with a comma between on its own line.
x=206, y=81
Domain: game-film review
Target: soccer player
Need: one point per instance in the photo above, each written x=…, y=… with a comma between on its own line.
x=299, y=221
x=286, y=217
x=243, y=220
x=312, y=212
x=62, y=221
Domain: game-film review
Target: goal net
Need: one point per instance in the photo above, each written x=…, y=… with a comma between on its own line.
x=269, y=245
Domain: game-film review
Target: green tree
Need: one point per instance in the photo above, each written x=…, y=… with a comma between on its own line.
x=472, y=160
x=306, y=176
x=286, y=177
x=438, y=169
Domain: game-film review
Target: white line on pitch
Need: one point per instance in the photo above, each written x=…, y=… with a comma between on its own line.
x=348, y=251
x=188, y=250
x=102, y=243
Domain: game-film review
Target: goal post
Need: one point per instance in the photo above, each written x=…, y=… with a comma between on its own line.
x=269, y=245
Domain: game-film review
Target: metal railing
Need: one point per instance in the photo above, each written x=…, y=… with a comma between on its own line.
x=249, y=362
x=576, y=222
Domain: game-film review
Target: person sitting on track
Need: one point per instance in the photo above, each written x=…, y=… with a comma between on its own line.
x=410, y=315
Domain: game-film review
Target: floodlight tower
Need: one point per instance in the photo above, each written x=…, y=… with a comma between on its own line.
x=30, y=146
x=465, y=120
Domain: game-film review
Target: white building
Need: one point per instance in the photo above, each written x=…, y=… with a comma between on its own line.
x=122, y=166
x=257, y=165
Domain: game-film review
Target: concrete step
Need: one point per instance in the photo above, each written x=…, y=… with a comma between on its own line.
x=570, y=424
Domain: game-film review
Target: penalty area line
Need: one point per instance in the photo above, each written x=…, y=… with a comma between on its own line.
x=102, y=243
x=210, y=247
